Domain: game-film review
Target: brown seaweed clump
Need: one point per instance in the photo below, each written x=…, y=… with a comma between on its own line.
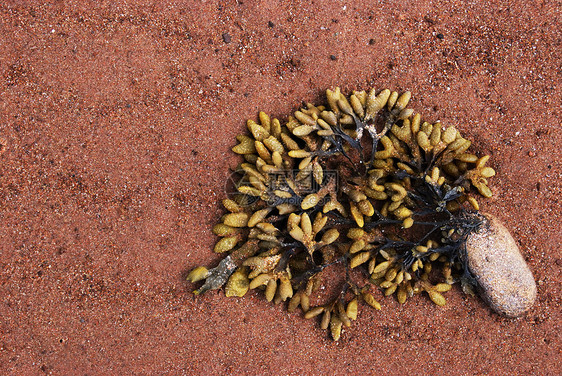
x=360, y=190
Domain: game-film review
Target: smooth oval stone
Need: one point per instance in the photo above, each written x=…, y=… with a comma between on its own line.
x=505, y=280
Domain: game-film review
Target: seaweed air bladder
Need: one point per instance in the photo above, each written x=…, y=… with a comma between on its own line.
x=359, y=190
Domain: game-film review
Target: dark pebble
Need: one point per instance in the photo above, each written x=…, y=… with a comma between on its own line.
x=270, y=24
x=226, y=38
x=333, y=57
x=440, y=36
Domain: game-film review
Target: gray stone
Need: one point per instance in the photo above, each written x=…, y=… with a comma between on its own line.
x=505, y=281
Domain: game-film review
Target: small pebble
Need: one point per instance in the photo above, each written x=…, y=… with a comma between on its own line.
x=333, y=57
x=505, y=280
x=440, y=36
x=226, y=38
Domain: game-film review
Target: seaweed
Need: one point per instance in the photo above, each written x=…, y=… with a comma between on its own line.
x=361, y=186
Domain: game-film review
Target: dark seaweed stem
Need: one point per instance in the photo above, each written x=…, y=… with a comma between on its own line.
x=287, y=251
x=381, y=222
x=310, y=197
x=337, y=146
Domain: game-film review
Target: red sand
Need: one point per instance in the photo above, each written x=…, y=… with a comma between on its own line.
x=119, y=121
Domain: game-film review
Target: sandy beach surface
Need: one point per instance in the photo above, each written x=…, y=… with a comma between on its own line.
x=118, y=119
